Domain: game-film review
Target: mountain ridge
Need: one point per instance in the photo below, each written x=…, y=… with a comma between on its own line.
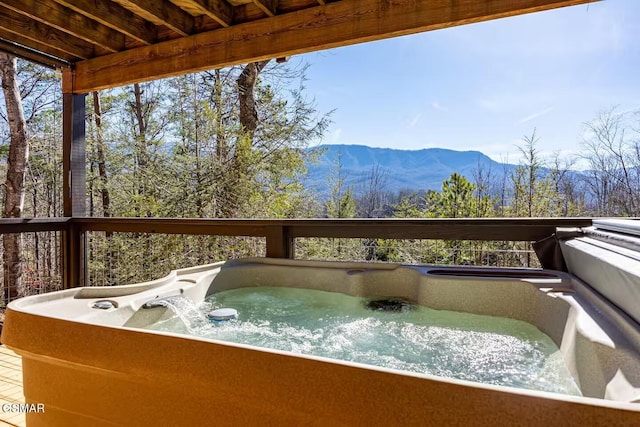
x=413, y=170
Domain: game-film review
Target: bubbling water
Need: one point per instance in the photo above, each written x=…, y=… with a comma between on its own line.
x=490, y=350
x=192, y=319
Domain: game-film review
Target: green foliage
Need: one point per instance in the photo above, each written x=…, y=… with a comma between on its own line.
x=535, y=191
x=454, y=201
x=179, y=151
x=407, y=208
x=341, y=203
x=4, y=151
x=176, y=148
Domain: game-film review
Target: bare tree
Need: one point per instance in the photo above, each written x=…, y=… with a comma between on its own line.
x=532, y=165
x=341, y=203
x=372, y=191
x=614, y=164
x=16, y=170
x=569, y=199
x=503, y=188
x=485, y=185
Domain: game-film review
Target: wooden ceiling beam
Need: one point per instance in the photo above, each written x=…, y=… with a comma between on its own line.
x=168, y=13
x=115, y=17
x=30, y=44
x=335, y=24
x=267, y=6
x=31, y=55
x=64, y=19
x=218, y=10
x=16, y=38
x=43, y=34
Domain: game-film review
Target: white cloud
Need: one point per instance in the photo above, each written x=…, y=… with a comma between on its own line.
x=535, y=115
x=437, y=106
x=415, y=120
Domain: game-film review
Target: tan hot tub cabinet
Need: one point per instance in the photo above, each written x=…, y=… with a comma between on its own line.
x=95, y=367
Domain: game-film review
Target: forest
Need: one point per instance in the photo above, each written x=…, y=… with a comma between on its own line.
x=235, y=143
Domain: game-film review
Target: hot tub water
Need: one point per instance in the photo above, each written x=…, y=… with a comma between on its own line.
x=189, y=316
x=484, y=349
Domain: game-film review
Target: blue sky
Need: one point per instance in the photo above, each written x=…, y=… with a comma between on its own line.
x=484, y=86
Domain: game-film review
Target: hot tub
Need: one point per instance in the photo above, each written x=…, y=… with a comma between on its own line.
x=87, y=358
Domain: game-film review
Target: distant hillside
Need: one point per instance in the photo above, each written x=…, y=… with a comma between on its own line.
x=408, y=169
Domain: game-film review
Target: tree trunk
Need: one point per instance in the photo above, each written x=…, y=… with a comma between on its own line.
x=102, y=165
x=246, y=86
x=141, y=147
x=141, y=156
x=222, y=151
x=239, y=168
x=104, y=190
x=37, y=274
x=221, y=147
x=196, y=139
x=16, y=168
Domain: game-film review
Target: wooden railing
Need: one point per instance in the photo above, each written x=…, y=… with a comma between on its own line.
x=281, y=234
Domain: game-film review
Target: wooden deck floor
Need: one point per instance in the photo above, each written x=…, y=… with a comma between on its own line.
x=10, y=387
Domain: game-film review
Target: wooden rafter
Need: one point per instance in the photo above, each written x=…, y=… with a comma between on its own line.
x=48, y=50
x=170, y=15
x=218, y=10
x=37, y=32
x=336, y=24
x=31, y=55
x=267, y=6
x=116, y=17
x=62, y=18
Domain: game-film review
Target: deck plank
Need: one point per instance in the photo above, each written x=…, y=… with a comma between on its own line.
x=11, y=387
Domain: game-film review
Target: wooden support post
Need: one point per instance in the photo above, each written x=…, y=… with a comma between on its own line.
x=74, y=181
x=280, y=244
